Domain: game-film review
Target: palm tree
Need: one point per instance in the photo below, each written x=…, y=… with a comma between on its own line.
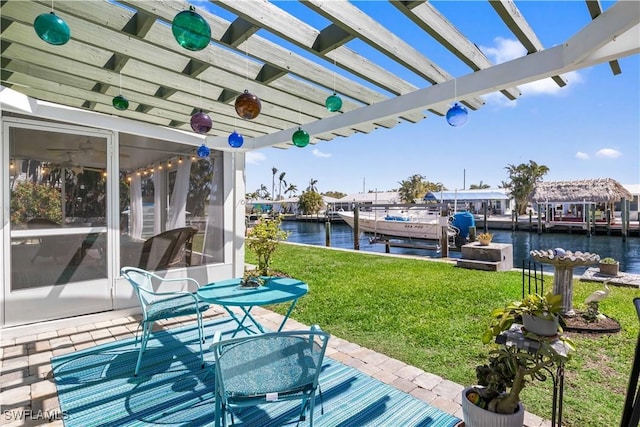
x=312, y=185
x=480, y=186
x=252, y=196
x=274, y=171
x=263, y=192
x=522, y=180
x=292, y=188
x=282, y=183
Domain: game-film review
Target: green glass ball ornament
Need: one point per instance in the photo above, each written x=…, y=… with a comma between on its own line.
x=333, y=103
x=52, y=29
x=190, y=30
x=300, y=138
x=248, y=106
x=120, y=103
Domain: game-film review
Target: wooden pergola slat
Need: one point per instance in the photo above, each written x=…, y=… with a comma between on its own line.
x=126, y=46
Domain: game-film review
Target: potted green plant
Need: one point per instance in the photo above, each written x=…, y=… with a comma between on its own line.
x=495, y=401
x=609, y=266
x=264, y=238
x=485, y=238
x=251, y=279
x=538, y=314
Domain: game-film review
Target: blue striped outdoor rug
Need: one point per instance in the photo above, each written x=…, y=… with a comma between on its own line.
x=96, y=387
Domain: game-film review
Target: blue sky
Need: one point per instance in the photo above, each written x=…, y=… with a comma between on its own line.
x=588, y=129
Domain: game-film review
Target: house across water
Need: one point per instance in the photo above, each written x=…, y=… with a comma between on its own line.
x=585, y=204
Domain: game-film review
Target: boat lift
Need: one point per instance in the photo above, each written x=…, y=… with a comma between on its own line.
x=442, y=246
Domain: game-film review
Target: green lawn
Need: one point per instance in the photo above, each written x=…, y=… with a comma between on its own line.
x=432, y=314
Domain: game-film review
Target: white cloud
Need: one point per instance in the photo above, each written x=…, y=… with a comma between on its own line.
x=255, y=157
x=509, y=49
x=505, y=50
x=582, y=156
x=549, y=87
x=499, y=100
x=319, y=153
x=608, y=153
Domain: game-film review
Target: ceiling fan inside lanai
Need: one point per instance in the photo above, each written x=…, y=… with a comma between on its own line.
x=85, y=151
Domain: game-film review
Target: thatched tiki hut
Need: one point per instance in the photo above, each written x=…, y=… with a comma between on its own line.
x=584, y=201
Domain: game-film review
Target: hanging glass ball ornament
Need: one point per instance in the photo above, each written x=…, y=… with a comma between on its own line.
x=52, y=29
x=235, y=139
x=248, y=105
x=457, y=115
x=190, y=30
x=203, y=151
x=333, y=103
x=120, y=103
x=201, y=122
x=300, y=138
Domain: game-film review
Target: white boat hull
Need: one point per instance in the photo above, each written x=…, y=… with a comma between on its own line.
x=427, y=229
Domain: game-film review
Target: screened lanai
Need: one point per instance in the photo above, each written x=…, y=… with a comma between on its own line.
x=119, y=176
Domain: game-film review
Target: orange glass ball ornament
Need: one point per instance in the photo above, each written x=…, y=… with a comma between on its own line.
x=248, y=105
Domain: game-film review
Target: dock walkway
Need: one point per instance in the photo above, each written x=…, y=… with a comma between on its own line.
x=592, y=274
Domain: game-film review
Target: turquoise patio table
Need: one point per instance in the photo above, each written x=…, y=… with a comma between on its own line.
x=229, y=293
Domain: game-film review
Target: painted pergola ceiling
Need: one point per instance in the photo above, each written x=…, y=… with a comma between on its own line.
x=128, y=47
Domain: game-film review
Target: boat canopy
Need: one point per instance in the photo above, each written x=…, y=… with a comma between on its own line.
x=466, y=195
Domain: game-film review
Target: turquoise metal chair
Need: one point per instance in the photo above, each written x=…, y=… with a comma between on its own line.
x=163, y=305
x=267, y=368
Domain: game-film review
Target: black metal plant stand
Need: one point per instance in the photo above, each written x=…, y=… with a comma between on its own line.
x=515, y=337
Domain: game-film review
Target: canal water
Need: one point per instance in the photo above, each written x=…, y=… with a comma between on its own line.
x=627, y=253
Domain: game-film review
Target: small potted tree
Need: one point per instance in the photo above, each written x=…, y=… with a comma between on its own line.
x=495, y=401
x=609, y=266
x=264, y=238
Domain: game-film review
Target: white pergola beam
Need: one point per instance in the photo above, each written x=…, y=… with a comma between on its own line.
x=512, y=17
x=427, y=17
x=351, y=19
x=596, y=43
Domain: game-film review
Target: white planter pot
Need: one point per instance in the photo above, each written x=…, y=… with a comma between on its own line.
x=540, y=326
x=474, y=416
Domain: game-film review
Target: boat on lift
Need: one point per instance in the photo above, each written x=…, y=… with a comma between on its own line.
x=407, y=224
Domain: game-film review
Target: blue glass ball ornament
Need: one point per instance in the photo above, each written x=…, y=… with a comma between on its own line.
x=120, y=103
x=235, y=139
x=52, y=29
x=201, y=122
x=300, y=138
x=203, y=151
x=457, y=115
x=333, y=103
x=190, y=30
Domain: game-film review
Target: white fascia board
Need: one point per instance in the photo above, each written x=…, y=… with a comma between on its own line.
x=16, y=102
x=603, y=30
x=626, y=44
x=13, y=101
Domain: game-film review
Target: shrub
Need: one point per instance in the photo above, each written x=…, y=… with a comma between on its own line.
x=263, y=238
